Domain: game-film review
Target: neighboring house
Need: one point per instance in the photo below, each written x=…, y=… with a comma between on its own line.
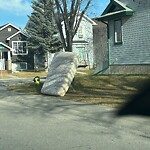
x=82, y=45
x=128, y=25
x=100, y=46
x=83, y=42
x=14, y=55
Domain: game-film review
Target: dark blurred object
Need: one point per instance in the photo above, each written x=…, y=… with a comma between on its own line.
x=139, y=103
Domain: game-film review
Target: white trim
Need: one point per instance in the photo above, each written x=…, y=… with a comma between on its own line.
x=6, y=46
x=15, y=35
x=105, y=13
x=9, y=24
x=9, y=29
x=15, y=66
x=15, y=50
x=9, y=55
x=90, y=20
x=112, y=13
x=123, y=5
x=80, y=43
x=2, y=61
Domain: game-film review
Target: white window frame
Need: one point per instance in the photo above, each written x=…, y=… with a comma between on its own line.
x=118, y=31
x=9, y=29
x=18, y=63
x=15, y=52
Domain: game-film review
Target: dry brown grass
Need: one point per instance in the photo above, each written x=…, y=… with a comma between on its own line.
x=109, y=90
x=29, y=74
x=23, y=75
x=29, y=88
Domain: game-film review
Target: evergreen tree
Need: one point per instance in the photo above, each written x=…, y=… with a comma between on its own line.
x=43, y=35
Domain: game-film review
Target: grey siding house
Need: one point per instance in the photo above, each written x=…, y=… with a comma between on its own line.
x=14, y=54
x=100, y=46
x=83, y=42
x=128, y=25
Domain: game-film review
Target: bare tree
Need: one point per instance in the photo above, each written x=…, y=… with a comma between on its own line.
x=70, y=12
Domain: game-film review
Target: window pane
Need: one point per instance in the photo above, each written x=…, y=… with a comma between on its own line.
x=24, y=47
x=14, y=47
x=20, y=47
x=19, y=66
x=9, y=29
x=118, y=31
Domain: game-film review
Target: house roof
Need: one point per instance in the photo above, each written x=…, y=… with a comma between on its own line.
x=2, y=26
x=9, y=24
x=87, y=18
x=6, y=46
x=115, y=9
x=19, y=32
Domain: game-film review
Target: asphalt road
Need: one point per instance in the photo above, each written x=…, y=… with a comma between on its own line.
x=32, y=122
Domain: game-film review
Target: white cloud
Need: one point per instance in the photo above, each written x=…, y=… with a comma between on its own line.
x=17, y=7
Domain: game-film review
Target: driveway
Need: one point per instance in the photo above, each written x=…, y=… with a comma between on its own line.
x=36, y=122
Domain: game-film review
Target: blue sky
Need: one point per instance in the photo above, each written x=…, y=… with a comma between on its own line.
x=16, y=11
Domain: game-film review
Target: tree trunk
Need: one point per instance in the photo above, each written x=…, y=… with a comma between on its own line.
x=69, y=43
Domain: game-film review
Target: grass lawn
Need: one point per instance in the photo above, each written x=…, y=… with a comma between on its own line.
x=29, y=74
x=22, y=75
x=109, y=90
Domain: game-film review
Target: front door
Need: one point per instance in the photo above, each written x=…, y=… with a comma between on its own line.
x=2, y=61
x=82, y=56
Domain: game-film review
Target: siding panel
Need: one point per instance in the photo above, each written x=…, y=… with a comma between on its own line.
x=136, y=40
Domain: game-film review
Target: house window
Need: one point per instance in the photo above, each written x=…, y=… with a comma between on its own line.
x=9, y=29
x=19, y=66
x=19, y=48
x=118, y=31
x=80, y=32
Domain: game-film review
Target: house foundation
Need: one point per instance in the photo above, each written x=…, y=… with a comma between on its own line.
x=129, y=69
x=9, y=65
